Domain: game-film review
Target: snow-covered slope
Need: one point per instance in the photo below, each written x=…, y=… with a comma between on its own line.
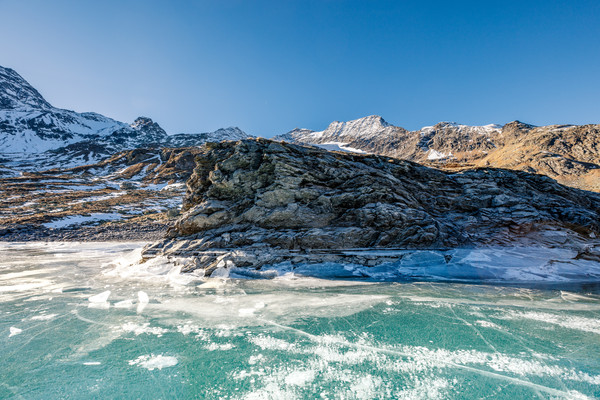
x=367, y=128
x=36, y=135
x=373, y=134
x=29, y=124
x=188, y=139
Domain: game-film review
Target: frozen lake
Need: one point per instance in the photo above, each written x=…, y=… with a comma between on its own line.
x=79, y=322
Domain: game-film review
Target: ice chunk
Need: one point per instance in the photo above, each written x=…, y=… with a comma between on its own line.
x=43, y=317
x=220, y=272
x=143, y=297
x=100, y=298
x=14, y=331
x=124, y=304
x=143, y=301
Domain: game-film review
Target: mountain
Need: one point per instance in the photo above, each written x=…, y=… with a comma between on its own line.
x=36, y=135
x=568, y=153
x=29, y=124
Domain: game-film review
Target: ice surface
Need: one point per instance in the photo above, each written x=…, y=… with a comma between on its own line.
x=492, y=265
x=152, y=362
x=297, y=336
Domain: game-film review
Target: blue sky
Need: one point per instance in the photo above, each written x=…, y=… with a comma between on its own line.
x=271, y=66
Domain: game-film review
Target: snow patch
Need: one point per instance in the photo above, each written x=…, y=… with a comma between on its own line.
x=437, y=155
x=338, y=146
x=83, y=219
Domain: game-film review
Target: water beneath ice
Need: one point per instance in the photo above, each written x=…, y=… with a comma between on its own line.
x=75, y=326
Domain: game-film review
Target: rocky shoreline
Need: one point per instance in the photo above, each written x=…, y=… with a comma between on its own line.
x=257, y=202
x=254, y=204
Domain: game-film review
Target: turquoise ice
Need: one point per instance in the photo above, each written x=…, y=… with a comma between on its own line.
x=75, y=326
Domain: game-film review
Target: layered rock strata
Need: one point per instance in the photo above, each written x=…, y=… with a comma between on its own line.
x=257, y=202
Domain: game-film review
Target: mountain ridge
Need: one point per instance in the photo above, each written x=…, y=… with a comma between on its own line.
x=35, y=134
x=568, y=153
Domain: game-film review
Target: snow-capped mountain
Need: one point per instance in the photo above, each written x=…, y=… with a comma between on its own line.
x=373, y=134
x=568, y=153
x=29, y=124
x=34, y=134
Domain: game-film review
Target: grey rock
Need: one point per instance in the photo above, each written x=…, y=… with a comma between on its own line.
x=274, y=202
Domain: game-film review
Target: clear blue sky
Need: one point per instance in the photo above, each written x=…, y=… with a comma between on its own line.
x=271, y=66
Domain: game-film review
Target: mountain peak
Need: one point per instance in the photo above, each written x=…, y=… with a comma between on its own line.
x=141, y=122
x=520, y=125
x=370, y=120
x=17, y=93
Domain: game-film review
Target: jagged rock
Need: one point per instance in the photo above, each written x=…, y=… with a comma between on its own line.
x=276, y=201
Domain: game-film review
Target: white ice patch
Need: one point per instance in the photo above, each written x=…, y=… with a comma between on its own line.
x=155, y=270
x=218, y=346
x=43, y=317
x=189, y=328
x=329, y=357
x=144, y=328
x=143, y=301
x=97, y=198
x=124, y=304
x=487, y=324
x=173, y=186
x=300, y=377
x=14, y=331
x=249, y=311
x=566, y=321
x=152, y=362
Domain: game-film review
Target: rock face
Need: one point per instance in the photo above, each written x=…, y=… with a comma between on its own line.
x=274, y=201
x=568, y=153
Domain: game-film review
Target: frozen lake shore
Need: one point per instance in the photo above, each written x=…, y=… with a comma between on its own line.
x=84, y=320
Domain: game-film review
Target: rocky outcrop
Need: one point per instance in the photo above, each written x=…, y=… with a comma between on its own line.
x=257, y=201
x=149, y=165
